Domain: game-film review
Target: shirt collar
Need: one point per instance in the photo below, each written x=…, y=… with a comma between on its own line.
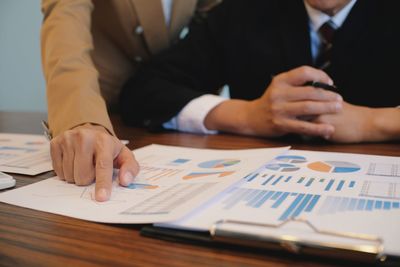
x=318, y=18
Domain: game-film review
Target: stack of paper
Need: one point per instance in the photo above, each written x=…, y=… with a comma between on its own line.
x=24, y=154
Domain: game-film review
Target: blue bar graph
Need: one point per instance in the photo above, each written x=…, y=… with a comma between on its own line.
x=291, y=208
x=302, y=205
x=297, y=203
x=344, y=204
x=301, y=180
x=255, y=199
x=269, y=179
x=340, y=185
x=312, y=204
x=252, y=177
x=280, y=200
x=328, y=187
x=276, y=195
x=264, y=199
x=288, y=179
x=277, y=180
x=310, y=182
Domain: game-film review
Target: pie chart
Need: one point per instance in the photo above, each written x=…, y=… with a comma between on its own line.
x=292, y=159
x=219, y=163
x=283, y=167
x=333, y=166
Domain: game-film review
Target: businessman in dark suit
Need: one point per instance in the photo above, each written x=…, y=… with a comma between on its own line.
x=266, y=50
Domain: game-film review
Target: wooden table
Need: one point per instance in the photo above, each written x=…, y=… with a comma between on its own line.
x=33, y=238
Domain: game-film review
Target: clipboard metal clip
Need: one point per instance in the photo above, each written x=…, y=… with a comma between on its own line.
x=335, y=244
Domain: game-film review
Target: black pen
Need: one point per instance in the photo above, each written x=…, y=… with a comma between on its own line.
x=321, y=85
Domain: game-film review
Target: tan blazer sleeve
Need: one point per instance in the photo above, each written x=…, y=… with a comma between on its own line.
x=73, y=91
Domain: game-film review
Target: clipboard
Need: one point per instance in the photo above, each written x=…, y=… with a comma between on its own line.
x=361, y=248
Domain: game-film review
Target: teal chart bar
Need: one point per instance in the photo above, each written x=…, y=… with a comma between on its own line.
x=256, y=198
x=345, y=204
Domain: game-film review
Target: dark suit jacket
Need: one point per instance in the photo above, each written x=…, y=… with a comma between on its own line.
x=244, y=43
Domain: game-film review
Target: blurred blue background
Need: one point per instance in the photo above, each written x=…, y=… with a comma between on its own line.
x=22, y=86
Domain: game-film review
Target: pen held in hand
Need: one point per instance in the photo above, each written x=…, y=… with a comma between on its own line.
x=325, y=86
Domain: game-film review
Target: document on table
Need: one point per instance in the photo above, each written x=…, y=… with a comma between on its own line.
x=172, y=182
x=340, y=192
x=24, y=154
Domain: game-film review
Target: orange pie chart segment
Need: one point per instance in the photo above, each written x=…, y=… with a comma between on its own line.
x=320, y=166
x=334, y=166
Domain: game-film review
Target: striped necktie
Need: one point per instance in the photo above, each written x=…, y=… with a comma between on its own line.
x=326, y=33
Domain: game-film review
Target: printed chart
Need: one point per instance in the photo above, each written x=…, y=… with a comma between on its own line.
x=380, y=189
x=347, y=204
x=220, y=163
x=291, y=159
x=257, y=199
x=24, y=154
x=172, y=182
x=178, y=162
x=270, y=180
x=384, y=169
x=282, y=167
x=333, y=166
x=194, y=175
x=168, y=200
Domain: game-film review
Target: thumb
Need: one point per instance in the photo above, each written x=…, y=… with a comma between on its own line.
x=128, y=166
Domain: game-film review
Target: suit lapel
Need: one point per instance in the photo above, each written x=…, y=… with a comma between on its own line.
x=182, y=11
x=151, y=18
x=295, y=33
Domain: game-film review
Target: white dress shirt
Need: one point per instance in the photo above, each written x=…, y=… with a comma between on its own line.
x=191, y=117
x=167, y=10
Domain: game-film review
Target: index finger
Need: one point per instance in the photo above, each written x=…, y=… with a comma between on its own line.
x=301, y=75
x=304, y=93
x=104, y=172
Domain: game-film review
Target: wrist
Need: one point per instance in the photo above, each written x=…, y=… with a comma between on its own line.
x=384, y=124
x=93, y=126
x=229, y=116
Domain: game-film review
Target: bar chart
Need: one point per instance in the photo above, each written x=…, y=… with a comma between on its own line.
x=320, y=183
x=219, y=163
x=178, y=162
x=334, y=205
x=256, y=198
x=292, y=204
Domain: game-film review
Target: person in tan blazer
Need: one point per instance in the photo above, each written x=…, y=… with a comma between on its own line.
x=89, y=50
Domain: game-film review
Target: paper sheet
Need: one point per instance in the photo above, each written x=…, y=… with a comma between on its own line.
x=24, y=154
x=334, y=191
x=172, y=182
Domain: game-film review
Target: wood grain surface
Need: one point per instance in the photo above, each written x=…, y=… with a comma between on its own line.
x=33, y=238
